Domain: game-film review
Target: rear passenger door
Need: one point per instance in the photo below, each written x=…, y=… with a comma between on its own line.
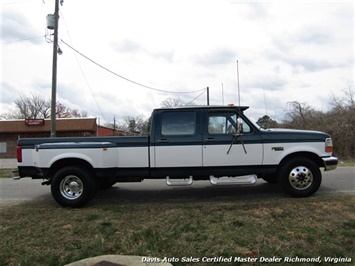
x=178, y=142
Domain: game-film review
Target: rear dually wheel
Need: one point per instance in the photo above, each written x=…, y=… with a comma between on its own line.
x=73, y=186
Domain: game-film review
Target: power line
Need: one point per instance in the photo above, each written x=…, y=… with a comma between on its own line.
x=23, y=40
x=204, y=90
x=122, y=77
x=82, y=71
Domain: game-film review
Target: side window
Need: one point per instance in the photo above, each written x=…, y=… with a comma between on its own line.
x=245, y=128
x=222, y=123
x=178, y=123
x=225, y=123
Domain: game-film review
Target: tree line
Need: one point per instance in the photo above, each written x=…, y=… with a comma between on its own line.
x=339, y=121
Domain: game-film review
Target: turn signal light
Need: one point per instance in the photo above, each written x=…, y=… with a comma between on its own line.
x=328, y=145
x=329, y=149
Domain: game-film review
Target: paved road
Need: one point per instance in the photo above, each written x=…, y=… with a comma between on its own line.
x=342, y=180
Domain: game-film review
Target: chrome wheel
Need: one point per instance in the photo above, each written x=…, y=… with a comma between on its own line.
x=71, y=187
x=300, y=178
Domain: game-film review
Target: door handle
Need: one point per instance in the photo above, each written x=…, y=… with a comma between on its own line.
x=162, y=140
x=210, y=139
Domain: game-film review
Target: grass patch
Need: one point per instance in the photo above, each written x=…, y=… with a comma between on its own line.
x=46, y=234
x=5, y=173
x=346, y=162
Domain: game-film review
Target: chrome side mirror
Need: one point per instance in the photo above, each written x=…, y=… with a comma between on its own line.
x=239, y=126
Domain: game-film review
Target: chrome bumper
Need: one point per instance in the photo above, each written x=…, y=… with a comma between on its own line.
x=330, y=163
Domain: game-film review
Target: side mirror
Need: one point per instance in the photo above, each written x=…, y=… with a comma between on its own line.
x=238, y=134
x=239, y=126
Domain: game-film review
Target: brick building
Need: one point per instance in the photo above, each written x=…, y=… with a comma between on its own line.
x=12, y=130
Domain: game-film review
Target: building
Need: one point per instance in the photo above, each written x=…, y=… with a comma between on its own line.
x=12, y=130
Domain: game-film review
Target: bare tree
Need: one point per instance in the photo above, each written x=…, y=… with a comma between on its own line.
x=33, y=106
x=76, y=113
x=62, y=111
x=172, y=102
x=296, y=116
x=339, y=122
x=36, y=106
x=346, y=102
x=302, y=116
x=133, y=124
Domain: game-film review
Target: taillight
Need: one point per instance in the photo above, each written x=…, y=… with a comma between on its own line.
x=328, y=145
x=19, y=154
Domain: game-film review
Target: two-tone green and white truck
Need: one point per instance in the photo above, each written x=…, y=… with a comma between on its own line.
x=186, y=144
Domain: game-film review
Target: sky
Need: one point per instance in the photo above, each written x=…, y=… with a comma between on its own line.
x=284, y=51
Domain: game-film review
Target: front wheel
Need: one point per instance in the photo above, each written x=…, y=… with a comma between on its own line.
x=72, y=186
x=300, y=177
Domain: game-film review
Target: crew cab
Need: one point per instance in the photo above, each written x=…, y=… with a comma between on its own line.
x=186, y=144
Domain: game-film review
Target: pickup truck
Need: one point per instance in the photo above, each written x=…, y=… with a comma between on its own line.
x=186, y=144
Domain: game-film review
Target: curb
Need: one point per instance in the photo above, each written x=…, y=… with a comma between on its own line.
x=116, y=260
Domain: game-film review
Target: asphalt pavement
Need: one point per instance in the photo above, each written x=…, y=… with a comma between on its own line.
x=341, y=180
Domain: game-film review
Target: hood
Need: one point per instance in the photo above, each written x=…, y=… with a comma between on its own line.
x=292, y=135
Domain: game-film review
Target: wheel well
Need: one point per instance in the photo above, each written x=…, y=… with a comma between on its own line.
x=69, y=162
x=309, y=155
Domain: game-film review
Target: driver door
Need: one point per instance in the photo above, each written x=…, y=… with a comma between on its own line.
x=219, y=138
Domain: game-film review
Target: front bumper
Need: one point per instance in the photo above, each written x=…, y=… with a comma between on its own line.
x=330, y=163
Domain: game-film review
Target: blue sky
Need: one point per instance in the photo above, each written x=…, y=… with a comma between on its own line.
x=286, y=50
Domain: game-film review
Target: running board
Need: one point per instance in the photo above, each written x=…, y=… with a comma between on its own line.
x=239, y=180
x=179, y=182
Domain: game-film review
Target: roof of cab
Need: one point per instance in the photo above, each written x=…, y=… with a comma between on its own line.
x=211, y=107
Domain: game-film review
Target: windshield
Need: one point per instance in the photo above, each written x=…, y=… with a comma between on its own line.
x=253, y=121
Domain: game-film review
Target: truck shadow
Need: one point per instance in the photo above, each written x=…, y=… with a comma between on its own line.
x=154, y=192
x=157, y=192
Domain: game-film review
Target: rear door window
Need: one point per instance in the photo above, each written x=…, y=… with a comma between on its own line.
x=178, y=123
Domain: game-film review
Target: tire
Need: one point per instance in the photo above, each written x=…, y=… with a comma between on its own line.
x=300, y=177
x=73, y=187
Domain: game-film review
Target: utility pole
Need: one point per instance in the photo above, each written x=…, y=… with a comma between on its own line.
x=54, y=71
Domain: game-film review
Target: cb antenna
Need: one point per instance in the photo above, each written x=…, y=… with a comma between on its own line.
x=238, y=81
x=222, y=95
